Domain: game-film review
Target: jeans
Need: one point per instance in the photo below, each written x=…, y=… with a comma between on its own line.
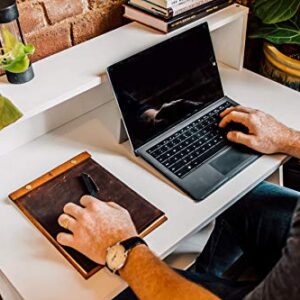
x=257, y=227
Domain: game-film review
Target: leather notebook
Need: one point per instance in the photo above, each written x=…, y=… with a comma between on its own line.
x=43, y=199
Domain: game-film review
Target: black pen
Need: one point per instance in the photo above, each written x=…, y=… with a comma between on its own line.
x=90, y=185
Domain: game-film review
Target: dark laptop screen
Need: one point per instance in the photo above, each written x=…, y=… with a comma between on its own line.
x=165, y=84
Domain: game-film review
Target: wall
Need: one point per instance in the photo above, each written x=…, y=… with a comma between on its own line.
x=54, y=25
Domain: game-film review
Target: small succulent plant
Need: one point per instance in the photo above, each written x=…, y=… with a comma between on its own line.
x=14, y=57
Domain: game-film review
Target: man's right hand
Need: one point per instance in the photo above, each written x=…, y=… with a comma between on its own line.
x=266, y=134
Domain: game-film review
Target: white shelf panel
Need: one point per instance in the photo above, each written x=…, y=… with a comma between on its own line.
x=73, y=71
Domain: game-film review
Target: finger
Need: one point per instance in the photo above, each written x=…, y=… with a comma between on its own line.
x=87, y=200
x=65, y=239
x=236, y=117
x=240, y=138
x=237, y=108
x=73, y=210
x=92, y=202
x=67, y=222
x=227, y=111
x=114, y=205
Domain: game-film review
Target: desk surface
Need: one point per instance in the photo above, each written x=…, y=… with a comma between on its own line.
x=36, y=268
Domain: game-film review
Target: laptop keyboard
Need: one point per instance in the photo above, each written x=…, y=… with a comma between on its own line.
x=191, y=146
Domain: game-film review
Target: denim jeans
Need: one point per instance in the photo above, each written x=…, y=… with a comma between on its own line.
x=257, y=227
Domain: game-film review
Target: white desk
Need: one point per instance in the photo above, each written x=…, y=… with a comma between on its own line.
x=35, y=267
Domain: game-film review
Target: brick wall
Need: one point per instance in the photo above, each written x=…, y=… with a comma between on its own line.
x=54, y=25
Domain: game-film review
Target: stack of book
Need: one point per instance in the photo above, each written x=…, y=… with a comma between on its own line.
x=168, y=15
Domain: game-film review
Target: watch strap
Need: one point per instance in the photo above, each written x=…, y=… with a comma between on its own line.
x=132, y=242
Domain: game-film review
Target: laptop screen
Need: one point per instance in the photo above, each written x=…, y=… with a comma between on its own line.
x=167, y=83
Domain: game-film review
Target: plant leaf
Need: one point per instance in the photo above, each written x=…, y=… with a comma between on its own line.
x=9, y=40
x=18, y=52
x=29, y=49
x=283, y=33
x=19, y=61
x=275, y=11
x=9, y=113
x=18, y=65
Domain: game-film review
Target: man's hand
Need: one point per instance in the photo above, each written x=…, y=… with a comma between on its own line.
x=266, y=134
x=95, y=227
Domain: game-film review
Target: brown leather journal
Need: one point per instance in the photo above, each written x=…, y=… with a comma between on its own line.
x=43, y=199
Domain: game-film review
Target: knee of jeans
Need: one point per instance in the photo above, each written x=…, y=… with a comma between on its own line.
x=263, y=195
x=273, y=190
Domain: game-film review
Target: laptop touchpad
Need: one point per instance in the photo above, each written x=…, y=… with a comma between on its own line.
x=229, y=160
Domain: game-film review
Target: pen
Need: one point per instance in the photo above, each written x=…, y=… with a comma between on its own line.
x=89, y=184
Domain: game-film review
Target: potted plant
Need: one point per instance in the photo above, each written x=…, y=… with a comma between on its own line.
x=14, y=58
x=278, y=23
x=14, y=53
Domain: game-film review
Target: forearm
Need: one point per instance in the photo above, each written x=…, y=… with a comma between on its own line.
x=151, y=278
x=291, y=144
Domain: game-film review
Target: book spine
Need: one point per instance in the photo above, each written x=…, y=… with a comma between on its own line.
x=174, y=2
x=186, y=6
x=180, y=22
x=166, y=3
x=153, y=9
x=176, y=10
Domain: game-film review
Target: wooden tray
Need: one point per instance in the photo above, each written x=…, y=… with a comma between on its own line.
x=43, y=199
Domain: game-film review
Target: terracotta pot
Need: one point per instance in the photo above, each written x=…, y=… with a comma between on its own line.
x=280, y=67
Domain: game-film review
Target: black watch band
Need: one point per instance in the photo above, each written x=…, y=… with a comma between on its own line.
x=132, y=242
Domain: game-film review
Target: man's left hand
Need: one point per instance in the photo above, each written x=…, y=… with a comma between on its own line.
x=266, y=134
x=95, y=227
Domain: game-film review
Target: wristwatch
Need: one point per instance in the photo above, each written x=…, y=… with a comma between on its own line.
x=117, y=255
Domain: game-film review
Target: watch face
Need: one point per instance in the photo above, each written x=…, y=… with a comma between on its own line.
x=116, y=257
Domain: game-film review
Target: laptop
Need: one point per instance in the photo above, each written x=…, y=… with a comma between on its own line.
x=170, y=97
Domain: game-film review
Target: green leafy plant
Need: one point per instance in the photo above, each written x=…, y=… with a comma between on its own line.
x=9, y=113
x=14, y=56
x=277, y=21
